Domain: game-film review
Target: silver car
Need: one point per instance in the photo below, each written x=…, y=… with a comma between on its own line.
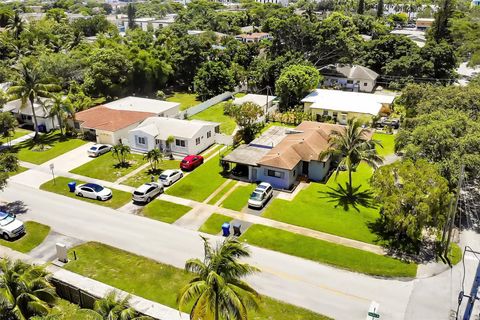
x=168, y=177
x=98, y=149
x=146, y=192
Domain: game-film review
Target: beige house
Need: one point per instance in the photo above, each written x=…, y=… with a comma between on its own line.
x=342, y=105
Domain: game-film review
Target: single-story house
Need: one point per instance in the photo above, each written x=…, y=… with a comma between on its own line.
x=342, y=105
x=351, y=77
x=45, y=121
x=158, y=107
x=264, y=101
x=281, y=155
x=190, y=136
x=106, y=125
x=253, y=37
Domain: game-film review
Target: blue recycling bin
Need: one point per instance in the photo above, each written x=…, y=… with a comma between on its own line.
x=226, y=229
x=71, y=186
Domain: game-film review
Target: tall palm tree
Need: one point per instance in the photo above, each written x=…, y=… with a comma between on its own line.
x=154, y=156
x=120, y=152
x=24, y=290
x=113, y=307
x=30, y=87
x=352, y=145
x=217, y=289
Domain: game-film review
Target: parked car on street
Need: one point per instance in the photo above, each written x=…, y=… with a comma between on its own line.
x=191, y=162
x=147, y=192
x=93, y=191
x=169, y=177
x=10, y=226
x=98, y=149
x=261, y=195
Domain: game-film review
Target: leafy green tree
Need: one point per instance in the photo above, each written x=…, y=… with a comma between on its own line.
x=113, y=307
x=295, y=82
x=217, y=289
x=29, y=87
x=8, y=123
x=155, y=157
x=352, y=145
x=121, y=152
x=213, y=78
x=247, y=117
x=25, y=289
x=413, y=197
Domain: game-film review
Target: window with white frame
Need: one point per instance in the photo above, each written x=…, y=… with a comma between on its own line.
x=180, y=143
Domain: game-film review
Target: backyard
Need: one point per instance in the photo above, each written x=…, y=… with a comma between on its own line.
x=158, y=282
x=146, y=174
x=200, y=183
x=49, y=146
x=186, y=100
x=165, y=211
x=35, y=233
x=215, y=114
x=105, y=167
x=60, y=186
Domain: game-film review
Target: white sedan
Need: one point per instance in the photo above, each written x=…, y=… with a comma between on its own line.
x=168, y=177
x=93, y=191
x=98, y=149
x=146, y=192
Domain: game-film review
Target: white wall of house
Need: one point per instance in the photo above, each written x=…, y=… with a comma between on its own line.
x=362, y=85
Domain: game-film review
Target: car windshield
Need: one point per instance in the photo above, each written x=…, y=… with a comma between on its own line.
x=6, y=220
x=163, y=176
x=256, y=196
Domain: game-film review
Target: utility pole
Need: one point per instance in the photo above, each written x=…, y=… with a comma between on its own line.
x=452, y=221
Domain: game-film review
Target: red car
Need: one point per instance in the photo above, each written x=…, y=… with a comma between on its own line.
x=191, y=162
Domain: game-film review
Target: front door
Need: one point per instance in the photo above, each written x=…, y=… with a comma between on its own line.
x=305, y=168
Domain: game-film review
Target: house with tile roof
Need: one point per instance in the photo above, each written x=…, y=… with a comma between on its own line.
x=349, y=77
x=282, y=155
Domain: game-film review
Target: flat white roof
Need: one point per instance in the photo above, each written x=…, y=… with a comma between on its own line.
x=345, y=101
x=162, y=127
x=142, y=105
x=259, y=99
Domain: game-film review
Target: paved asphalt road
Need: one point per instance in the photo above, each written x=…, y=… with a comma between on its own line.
x=333, y=292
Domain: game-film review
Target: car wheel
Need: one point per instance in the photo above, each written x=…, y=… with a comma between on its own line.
x=6, y=236
x=80, y=195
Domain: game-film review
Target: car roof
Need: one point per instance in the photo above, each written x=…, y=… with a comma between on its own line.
x=169, y=171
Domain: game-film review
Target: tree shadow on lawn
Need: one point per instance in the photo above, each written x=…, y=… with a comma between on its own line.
x=347, y=198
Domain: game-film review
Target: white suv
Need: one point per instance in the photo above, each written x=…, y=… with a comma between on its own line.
x=10, y=227
x=261, y=195
x=146, y=192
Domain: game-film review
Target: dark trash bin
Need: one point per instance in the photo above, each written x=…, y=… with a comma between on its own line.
x=71, y=186
x=226, y=229
x=236, y=230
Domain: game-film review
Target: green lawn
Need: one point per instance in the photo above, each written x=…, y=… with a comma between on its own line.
x=222, y=192
x=213, y=225
x=199, y=184
x=186, y=100
x=158, y=282
x=119, y=198
x=215, y=114
x=314, y=209
x=55, y=145
x=145, y=175
x=19, y=132
x=327, y=252
x=239, y=197
x=35, y=234
x=105, y=167
x=388, y=143
x=164, y=211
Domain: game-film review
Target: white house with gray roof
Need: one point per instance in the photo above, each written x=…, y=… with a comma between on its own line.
x=350, y=77
x=190, y=136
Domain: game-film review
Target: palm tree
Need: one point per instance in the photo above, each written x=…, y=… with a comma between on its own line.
x=24, y=290
x=120, y=152
x=154, y=156
x=15, y=24
x=113, y=307
x=29, y=88
x=217, y=289
x=58, y=107
x=352, y=146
